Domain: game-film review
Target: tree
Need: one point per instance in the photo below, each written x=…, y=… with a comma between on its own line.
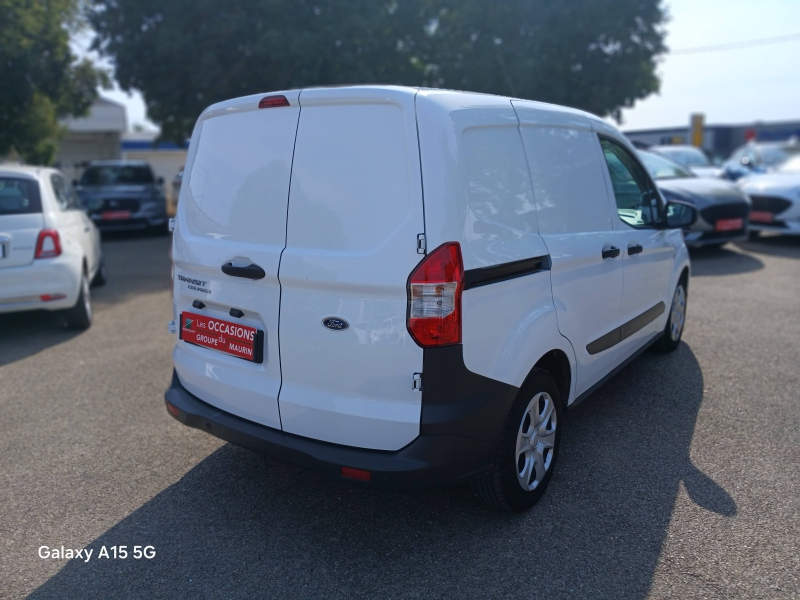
x=186, y=54
x=42, y=81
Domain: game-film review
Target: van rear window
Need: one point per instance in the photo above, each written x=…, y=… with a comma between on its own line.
x=19, y=196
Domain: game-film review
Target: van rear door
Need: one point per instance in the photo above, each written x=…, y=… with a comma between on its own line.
x=355, y=211
x=231, y=230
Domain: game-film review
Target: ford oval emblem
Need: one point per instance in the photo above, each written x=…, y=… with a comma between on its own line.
x=335, y=324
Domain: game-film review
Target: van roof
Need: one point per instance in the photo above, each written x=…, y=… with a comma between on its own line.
x=369, y=90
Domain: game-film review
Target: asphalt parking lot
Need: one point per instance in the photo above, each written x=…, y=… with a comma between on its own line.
x=680, y=478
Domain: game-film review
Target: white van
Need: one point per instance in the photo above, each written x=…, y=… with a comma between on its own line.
x=406, y=287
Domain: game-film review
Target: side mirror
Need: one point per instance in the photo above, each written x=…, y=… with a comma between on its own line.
x=75, y=183
x=160, y=181
x=745, y=160
x=680, y=215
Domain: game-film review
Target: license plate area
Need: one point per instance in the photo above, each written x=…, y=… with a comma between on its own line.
x=223, y=336
x=761, y=216
x=729, y=224
x=115, y=215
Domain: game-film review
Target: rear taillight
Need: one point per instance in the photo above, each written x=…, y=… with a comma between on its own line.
x=48, y=244
x=434, y=298
x=273, y=102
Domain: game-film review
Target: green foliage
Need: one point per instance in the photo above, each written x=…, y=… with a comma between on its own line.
x=183, y=55
x=41, y=79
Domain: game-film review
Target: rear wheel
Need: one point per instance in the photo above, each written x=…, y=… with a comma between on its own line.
x=80, y=315
x=673, y=331
x=528, y=448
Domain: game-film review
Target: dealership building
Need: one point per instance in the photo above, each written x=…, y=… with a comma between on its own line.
x=103, y=134
x=721, y=140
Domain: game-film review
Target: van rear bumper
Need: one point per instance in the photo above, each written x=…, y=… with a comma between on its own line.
x=430, y=461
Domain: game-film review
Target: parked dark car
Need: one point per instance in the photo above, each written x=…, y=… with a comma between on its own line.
x=123, y=195
x=723, y=209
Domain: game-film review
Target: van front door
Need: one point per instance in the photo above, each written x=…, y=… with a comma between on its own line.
x=647, y=255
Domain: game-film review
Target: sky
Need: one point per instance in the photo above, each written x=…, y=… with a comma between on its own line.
x=754, y=83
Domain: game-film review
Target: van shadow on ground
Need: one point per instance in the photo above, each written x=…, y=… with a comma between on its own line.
x=238, y=525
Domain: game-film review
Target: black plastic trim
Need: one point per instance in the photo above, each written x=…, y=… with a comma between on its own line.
x=456, y=401
x=430, y=461
x=614, y=337
x=519, y=268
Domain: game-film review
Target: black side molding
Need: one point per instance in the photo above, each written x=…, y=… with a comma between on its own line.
x=612, y=338
x=616, y=370
x=519, y=268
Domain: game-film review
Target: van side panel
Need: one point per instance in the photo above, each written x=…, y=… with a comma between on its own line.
x=478, y=192
x=232, y=207
x=355, y=211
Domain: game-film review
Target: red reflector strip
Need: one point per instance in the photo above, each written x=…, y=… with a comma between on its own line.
x=273, y=102
x=359, y=474
x=173, y=409
x=51, y=297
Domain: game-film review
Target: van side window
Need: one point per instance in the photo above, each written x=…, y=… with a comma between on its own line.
x=568, y=180
x=637, y=200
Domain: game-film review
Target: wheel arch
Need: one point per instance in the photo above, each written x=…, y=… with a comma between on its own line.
x=556, y=363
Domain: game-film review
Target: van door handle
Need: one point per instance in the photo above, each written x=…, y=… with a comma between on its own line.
x=610, y=251
x=251, y=271
x=634, y=249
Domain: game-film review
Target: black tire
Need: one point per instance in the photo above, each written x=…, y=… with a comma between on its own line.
x=501, y=488
x=80, y=315
x=668, y=341
x=101, y=277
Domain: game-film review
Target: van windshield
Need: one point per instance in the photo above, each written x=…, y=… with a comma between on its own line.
x=117, y=175
x=19, y=196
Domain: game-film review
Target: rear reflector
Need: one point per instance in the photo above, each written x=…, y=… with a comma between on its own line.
x=173, y=409
x=359, y=474
x=48, y=244
x=273, y=102
x=434, y=297
x=51, y=297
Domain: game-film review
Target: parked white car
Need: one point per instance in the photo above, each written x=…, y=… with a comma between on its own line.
x=406, y=288
x=49, y=248
x=776, y=199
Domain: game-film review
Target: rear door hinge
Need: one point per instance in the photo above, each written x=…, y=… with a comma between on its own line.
x=417, y=385
x=173, y=326
x=422, y=244
x=171, y=224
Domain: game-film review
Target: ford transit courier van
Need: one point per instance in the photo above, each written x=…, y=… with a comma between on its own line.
x=405, y=288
